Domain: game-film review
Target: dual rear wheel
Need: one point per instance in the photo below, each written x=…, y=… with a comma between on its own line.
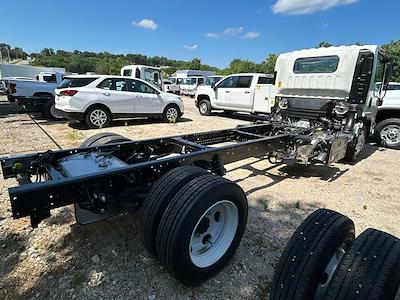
x=193, y=221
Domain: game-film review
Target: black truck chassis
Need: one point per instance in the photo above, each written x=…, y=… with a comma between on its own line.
x=44, y=186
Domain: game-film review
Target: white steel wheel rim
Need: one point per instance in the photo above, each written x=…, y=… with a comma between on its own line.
x=391, y=134
x=172, y=114
x=203, y=108
x=213, y=234
x=98, y=117
x=54, y=112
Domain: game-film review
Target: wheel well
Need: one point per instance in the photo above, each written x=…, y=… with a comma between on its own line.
x=203, y=97
x=172, y=105
x=99, y=105
x=387, y=114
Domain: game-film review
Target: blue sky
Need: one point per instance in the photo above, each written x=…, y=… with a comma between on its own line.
x=214, y=31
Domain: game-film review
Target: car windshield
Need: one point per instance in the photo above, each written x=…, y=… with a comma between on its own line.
x=172, y=80
x=190, y=81
x=211, y=80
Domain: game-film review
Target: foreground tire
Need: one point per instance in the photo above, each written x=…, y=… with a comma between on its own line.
x=356, y=147
x=97, y=117
x=159, y=197
x=369, y=270
x=202, y=228
x=205, y=107
x=103, y=138
x=51, y=112
x=388, y=133
x=309, y=259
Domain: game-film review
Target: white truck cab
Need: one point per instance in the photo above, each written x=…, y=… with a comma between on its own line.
x=247, y=92
x=150, y=74
x=190, y=85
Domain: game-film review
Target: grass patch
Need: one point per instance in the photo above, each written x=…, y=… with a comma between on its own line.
x=265, y=204
x=297, y=204
x=75, y=135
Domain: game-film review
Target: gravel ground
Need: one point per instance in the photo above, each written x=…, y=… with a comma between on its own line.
x=106, y=260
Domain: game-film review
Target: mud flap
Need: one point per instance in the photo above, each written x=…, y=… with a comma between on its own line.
x=337, y=150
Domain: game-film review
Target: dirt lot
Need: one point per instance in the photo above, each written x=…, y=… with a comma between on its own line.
x=106, y=260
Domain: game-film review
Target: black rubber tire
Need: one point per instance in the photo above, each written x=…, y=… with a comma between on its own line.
x=369, y=270
x=209, y=108
x=351, y=155
x=308, y=252
x=179, y=221
x=157, y=200
x=89, y=122
x=165, y=113
x=381, y=126
x=103, y=138
x=47, y=110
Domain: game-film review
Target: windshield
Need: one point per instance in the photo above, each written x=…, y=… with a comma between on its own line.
x=211, y=80
x=153, y=76
x=190, y=81
x=172, y=80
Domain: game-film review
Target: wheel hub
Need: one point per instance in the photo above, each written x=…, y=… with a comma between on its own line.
x=172, y=114
x=391, y=134
x=213, y=233
x=98, y=117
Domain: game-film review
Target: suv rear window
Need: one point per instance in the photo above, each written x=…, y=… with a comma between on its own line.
x=76, y=82
x=322, y=64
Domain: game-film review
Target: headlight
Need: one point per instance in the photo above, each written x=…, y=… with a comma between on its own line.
x=341, y=108
x=283, y=103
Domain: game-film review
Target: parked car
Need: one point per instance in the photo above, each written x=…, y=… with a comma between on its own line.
x=387, y=130
x=248, y=92
x=36, y=95
x=97, y=100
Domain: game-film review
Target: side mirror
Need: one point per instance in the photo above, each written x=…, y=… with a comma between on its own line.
x=213, y=86
x=388, y=74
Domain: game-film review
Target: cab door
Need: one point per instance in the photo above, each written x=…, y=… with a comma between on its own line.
x=242, y=94
x=146, y=100
x=222, y=95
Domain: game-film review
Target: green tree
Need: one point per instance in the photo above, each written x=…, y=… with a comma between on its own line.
x=324, y=44
x=393, y=49
x=195, y=64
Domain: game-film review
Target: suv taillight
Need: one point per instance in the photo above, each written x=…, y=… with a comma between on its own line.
x=68, y=93
x=13, y=88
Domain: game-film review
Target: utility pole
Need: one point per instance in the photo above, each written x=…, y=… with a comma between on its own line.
x=1, y=55
x=8, y=51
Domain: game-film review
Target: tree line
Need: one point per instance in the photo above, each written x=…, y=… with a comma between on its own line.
x=107, y=63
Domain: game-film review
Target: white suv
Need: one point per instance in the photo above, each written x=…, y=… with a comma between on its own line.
x=99, y=99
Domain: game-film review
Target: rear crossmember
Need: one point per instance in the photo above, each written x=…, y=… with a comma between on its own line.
x=43, y=184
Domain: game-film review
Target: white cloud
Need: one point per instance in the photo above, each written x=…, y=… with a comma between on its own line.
x=251, y=35
x=190, y=47
x=300, y=7
x=146, y=24
x=212, y=35
x=233, y=30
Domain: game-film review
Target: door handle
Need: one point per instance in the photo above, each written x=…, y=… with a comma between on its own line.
x=227, y=91
x=106, y=94
x=247, y=92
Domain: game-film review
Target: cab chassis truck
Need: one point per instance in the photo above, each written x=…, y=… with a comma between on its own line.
x=191, y=218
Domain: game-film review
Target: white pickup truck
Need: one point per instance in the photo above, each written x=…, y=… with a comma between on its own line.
x=387, y=130
x=36, y=95
x=247, y=92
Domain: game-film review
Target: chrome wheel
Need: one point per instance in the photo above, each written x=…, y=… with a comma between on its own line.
x=98, y=117
x=213, y=234
x=55, y=113
x=203, y=108
x=172, y=114
x=329, y=271
x=390, y=134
